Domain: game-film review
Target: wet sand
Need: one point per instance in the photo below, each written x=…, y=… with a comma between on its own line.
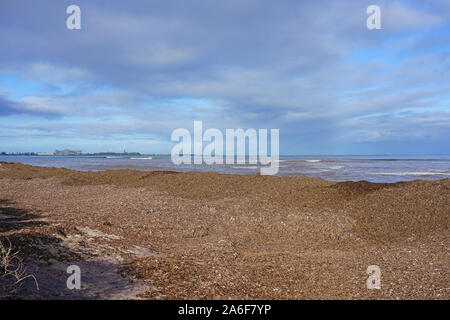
x=168, y=235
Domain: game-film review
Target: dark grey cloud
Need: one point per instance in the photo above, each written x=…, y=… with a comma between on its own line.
x=29, y=106
x=7, y=107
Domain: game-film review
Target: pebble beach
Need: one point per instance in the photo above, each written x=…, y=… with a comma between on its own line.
x=204, y=235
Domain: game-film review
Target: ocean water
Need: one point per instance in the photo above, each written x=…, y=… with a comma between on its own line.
x=335, y=168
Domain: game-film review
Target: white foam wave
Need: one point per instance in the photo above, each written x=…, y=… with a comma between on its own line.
x=336, y=167
x=413, y=173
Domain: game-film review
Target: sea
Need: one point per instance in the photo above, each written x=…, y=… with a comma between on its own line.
x=373, y=168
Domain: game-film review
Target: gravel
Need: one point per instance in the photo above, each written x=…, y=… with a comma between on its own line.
x=212, y=236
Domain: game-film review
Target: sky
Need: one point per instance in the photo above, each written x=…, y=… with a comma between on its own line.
x=137, y=70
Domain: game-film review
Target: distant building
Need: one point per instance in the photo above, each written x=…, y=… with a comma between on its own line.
x=44, y=154
x=67, y=152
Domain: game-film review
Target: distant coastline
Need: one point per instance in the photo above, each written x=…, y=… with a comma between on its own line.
x=68, y=152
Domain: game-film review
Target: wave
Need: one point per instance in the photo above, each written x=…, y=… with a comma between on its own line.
x=412, y=173
x=148, y=158
x=406, y=159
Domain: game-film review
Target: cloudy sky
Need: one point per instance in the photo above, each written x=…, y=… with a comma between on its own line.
x=137, y=70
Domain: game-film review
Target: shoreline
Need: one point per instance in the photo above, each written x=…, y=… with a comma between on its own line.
x=198, y=235
x=55, y=171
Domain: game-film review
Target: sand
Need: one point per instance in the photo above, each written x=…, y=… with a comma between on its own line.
x=168, y=235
